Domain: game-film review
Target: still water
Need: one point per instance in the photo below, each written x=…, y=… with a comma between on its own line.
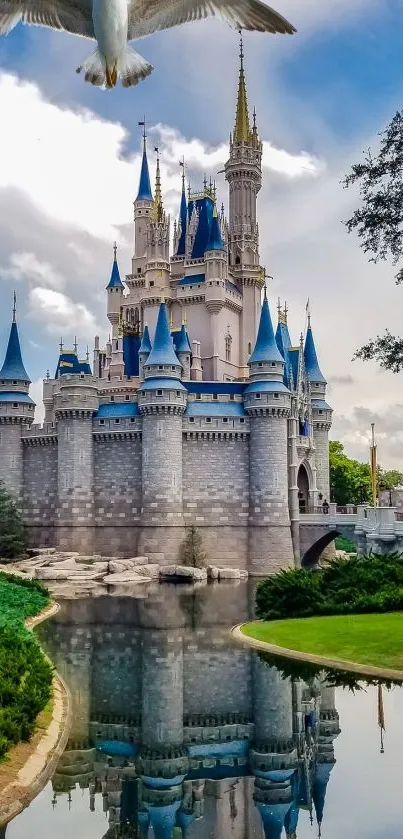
x=177, y=732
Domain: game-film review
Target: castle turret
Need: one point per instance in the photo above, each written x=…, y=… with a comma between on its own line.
x=143, y=207
x=157, y=271
x=243, y=171
x=321, y=413
x=76, y=401
x=182, y=227
x=144, y=351
x=184, y=352
x=162, y=402
x=268, y=404
x=114, y=290
x=16, y=411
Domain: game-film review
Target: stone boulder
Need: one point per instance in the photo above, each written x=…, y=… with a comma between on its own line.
x=125, y=577
x=151, y=570
x=34, y=552
x=229, y=574
x=212, y=572
x=52, y=573
x=173, y=573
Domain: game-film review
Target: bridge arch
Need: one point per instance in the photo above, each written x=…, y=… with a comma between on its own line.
x=311, y=556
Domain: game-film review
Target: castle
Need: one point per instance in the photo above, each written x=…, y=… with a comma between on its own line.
x=195, y=413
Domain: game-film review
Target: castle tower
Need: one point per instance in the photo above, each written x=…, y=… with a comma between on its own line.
x=184, y=352
x=114, y=291
x=162, y=402
x=268, y=404
x=76, y=400
x=321, y=414
x=143, y=206
x=16, y=411
x=216, y=265
x=157, y=272
x=144, y=352
x=180, y=249
x=243, y=171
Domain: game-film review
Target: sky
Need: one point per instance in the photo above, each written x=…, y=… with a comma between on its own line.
x=69, y=166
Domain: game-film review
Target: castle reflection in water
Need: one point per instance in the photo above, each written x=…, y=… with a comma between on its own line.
x=180, y=732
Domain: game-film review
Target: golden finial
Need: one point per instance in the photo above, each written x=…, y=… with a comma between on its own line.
x=14, y=307
x=143, y=124
x=242, y=130
x=308, y=313
x=182, y=164
x=158, y=210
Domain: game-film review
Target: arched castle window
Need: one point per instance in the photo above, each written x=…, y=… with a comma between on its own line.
x=137, y=320
x=228, y=342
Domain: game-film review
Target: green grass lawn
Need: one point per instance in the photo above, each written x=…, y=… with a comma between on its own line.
x=364, y=639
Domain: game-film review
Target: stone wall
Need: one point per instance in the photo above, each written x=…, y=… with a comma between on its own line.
x=40, y=490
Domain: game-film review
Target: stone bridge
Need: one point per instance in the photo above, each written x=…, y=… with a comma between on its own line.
x=372, y=529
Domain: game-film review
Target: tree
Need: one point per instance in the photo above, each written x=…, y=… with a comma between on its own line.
x=12, y=531
x=378, y=222
x=192, y=553
x=390, y=478
x=350, y=481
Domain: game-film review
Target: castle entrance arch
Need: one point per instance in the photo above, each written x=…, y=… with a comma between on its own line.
x=303, y=489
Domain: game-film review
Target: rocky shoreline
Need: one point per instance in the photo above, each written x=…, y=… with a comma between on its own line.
x=70, y=574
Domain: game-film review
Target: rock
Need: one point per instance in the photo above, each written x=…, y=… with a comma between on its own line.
x=116, y=566
x=90, y=560
x=182, y=572
x=229, y=574
x=152, y=570
x=86, y=574
x=212, y=572
x=32, y=552
x=51, y=573
x=141, y=560
x=125, y=577
x=243, y=574
x=69, y=564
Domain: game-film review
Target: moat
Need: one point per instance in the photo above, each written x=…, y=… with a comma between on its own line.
x=180, y=733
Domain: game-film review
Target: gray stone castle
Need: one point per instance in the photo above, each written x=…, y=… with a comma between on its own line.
x=195, y=413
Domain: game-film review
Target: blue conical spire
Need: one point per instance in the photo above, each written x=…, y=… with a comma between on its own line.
x=144, y=193
x=115, y=281
x=266, y=348
x=145, y=346
x=183, y=215
x=215, y=242
x=182, y=344
x=163, y=349
x=320, y=783
x=311, y=359
x=13, y=368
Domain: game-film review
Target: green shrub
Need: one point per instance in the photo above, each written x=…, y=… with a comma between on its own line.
x=12, y=531
x=191, y=552
x=25, y=674
x=343, y=544
x=345, y=586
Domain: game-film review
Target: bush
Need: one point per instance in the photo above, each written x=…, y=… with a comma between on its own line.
x=343, y=544
x=12, y=531
x=25, y=674
x=345, y=586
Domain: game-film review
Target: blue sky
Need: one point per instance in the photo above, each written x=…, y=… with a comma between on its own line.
x=69, y=170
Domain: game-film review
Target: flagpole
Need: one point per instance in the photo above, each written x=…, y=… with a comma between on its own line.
x=373, y=466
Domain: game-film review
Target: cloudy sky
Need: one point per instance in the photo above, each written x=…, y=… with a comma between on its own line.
x=69, y=164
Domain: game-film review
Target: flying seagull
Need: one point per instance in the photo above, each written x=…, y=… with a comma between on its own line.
x=113, y=23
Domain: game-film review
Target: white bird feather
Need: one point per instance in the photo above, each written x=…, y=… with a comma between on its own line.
x=113, y=23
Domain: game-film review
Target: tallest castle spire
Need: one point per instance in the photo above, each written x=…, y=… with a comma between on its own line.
x=241, y=130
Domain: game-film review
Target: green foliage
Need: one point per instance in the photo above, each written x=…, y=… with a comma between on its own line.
x=25, y=675
x=345, y=586
x=378, y=222
x=192, y=553
x=344, y=544
x=12, y=532
x=350, y=480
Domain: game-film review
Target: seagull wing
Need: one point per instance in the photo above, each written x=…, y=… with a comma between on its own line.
x=148, y=16
x=73, y=16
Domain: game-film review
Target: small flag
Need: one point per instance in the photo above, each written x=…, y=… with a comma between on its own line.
x=181, y=163
x=156, y=149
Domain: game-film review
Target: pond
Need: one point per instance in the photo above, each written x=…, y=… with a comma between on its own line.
x=178, y=732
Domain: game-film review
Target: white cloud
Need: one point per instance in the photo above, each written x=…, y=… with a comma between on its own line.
x=59, y=313
x=25, y=266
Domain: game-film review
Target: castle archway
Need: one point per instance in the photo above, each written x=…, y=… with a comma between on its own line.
x=303, y=489
x=311, y=556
